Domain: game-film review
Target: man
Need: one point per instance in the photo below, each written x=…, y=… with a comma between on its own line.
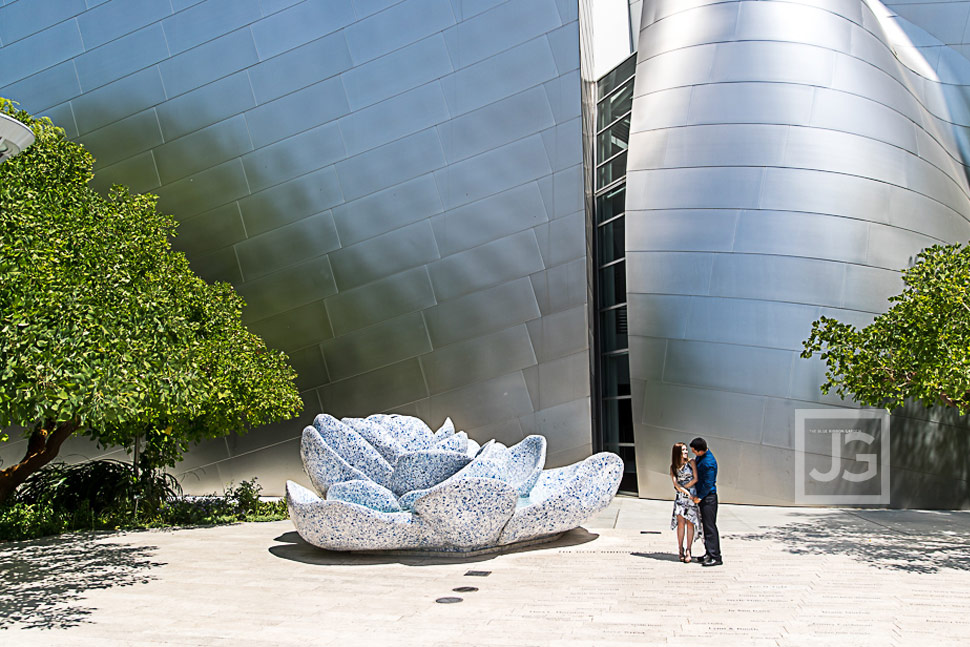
x=706, y=488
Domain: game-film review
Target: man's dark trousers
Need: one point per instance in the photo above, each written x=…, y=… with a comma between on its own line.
x=712, y=540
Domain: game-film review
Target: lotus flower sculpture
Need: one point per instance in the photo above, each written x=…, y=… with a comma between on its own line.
x=390, y=483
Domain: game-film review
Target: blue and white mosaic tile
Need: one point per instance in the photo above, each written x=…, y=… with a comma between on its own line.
x=365, y=493
x=390, y=483
x=457, y=442
x=525, y=462
x=374, y=433
x=353, y=448
x=411, y=432
x=562, y=499
x=446, y=429
x=468, y=512
x=323, y=465
x=422, y=469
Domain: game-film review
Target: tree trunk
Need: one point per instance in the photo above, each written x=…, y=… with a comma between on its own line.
x=42, y=447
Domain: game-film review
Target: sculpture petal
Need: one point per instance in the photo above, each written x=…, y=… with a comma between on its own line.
x=338, y=525
x=323, y=465
x=468, y=513
x=566, y=497
x=486, y=468
x=494, y=449
x=497, y=456
x=408, y=498
x=422, y=469
x=525, y=462
x=365, y=493
x=353, y=448
x=446, y=429
x=457, y=442
x=374, y=433
x=411, y=432
x=482, y=448
x=473, y=447
x=478, y=468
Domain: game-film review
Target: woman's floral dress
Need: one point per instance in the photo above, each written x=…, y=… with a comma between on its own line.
x=683, y=506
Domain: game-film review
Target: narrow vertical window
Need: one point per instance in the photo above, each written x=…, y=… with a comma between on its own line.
x=614, y=404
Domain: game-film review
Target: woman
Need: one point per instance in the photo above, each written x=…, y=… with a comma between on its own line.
x=686, y=516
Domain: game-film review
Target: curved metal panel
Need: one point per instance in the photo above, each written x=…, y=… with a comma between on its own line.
x=814, y=153
x=396, y=191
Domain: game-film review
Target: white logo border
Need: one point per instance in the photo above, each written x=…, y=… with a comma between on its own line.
x=883, y=498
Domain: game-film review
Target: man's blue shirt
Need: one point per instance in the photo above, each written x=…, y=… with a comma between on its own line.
x=706, y=474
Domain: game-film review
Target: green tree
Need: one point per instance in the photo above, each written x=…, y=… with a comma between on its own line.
x=105, y=330
x=919, y=349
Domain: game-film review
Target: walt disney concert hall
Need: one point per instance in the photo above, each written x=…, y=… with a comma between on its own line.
x=609, y=222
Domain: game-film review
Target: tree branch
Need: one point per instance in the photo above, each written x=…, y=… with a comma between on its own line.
x=42, y=448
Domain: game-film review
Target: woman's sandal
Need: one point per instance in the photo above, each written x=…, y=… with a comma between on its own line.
x=681, y=554
x=686, y=557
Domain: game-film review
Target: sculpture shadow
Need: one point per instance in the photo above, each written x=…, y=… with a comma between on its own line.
x=911, y=541
x=660, y=557
x=295, y=549
x=42, y=581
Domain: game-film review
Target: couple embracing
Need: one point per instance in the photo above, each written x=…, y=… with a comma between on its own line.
x=695, y=507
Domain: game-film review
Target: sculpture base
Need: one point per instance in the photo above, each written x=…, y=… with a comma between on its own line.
x=462, y=552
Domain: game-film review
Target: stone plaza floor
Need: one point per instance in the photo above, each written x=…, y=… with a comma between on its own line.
x=790, y=577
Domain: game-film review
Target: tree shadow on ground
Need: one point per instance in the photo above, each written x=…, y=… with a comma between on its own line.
x=43, y=581
x=924, y=543
x=295, y=549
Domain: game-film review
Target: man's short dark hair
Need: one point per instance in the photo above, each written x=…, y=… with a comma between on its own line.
x=699, y=444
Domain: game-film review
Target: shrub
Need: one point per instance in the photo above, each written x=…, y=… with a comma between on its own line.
x=101, y=495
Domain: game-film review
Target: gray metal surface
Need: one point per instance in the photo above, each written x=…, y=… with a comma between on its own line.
x=786, y=160
x=395, y=188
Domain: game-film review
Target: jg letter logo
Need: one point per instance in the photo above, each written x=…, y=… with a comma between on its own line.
x=842, y=456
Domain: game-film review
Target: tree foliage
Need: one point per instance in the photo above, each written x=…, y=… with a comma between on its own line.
x=919, y=349
x=104, y=328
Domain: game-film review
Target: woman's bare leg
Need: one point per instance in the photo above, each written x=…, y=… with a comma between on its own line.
x=690, y=541
x=681, y=522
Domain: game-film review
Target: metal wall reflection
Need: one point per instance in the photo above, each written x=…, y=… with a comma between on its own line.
x=395, y=188
x=786, y=159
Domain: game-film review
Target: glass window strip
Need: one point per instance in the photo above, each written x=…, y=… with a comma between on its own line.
x=610, y=159
x=613, y=123
x=614, y=166
x=609, y=187
x=614, y=141
x=613, y=307
x=611, y=220
x=618, y=351
x=612, y=263
x=615, y=106
x=619, y=86
x=627, y=64
x=609, y=200
x=615, y=425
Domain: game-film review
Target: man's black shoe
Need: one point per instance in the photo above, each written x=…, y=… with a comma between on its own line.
x=710, y=561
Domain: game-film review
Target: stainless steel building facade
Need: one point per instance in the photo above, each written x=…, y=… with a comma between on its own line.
x=405, y=193
x=786, y=160
x=395, y=188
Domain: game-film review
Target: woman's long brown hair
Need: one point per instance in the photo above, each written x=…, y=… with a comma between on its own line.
x=677, y=459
